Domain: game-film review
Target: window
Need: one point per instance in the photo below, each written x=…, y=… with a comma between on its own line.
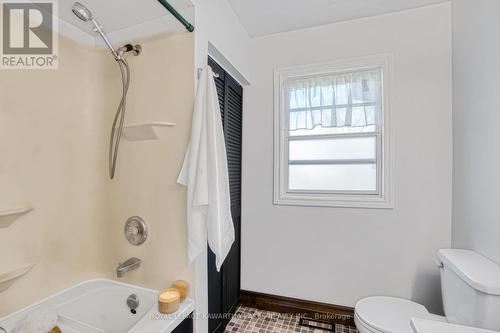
x=332, y=134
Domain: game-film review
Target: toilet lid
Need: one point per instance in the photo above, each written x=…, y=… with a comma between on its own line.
x=389, y=314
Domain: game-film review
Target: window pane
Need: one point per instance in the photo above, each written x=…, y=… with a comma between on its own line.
x=350, y=99
x=333, y=149
x=358, y=177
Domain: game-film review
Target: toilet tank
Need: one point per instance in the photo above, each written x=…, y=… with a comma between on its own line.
x=470, y=285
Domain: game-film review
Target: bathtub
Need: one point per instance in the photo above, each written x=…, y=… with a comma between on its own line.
x=100, y=305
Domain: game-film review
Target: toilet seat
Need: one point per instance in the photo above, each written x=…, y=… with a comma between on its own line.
x=388, y=314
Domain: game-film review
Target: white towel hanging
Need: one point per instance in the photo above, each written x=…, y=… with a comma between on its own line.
x=205, y=174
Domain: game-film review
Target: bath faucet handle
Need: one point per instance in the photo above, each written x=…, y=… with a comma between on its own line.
x=136, y=230
x=131, y=262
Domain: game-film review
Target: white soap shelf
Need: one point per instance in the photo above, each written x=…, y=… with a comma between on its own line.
x=144, y=131
x=9, y=277
x=8, y=216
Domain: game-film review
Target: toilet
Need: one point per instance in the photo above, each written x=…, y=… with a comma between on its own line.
x=470, y=286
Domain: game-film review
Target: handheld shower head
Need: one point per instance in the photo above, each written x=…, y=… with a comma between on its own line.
x=85, y=15
x=81, y=12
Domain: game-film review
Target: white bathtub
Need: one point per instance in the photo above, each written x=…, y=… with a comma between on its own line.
x=98, y=306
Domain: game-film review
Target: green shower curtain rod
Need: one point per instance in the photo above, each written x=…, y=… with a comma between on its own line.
x=185, y=23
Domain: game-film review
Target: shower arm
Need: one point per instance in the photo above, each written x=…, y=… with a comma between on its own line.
x=189, y=27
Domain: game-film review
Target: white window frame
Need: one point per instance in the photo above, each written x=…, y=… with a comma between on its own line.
x=383, y=198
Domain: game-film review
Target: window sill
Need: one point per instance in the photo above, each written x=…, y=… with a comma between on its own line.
x=344, y=201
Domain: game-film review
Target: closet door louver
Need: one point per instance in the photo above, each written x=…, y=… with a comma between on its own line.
x=233, y=117
x=220, y=84
x=232, y=129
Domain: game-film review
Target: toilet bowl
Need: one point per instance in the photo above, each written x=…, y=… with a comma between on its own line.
x=387, y=315
x=470, y=286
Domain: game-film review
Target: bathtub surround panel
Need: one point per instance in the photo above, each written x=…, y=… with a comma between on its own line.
x=339, y=255
x=146, y=176
x=53, y=141
x=476, y=127
x=54, y=134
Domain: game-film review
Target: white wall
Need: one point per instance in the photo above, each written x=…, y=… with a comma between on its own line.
x=476, y=126
x=338, y=255
x=218, y=28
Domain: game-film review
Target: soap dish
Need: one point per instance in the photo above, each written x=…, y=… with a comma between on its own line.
x=144, y=131
x=8, y=216
x=8, y=278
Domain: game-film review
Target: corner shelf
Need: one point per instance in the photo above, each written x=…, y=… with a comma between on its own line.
x=8, y=216
x=8, y=278
x=144, y=131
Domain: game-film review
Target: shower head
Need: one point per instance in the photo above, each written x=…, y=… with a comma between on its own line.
x=85, y=15
x=81, y=12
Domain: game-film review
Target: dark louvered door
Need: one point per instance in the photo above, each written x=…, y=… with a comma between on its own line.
x=224, y=286
x=233, y=130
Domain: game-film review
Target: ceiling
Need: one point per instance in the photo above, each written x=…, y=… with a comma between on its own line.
x=122, y=19
x=116, y=15
x=265, y=17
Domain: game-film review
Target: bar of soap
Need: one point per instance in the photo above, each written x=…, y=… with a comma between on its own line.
x=169, y=301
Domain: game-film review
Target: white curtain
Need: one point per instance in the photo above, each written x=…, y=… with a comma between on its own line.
x=337, y=100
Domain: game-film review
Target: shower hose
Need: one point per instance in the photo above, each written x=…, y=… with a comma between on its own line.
x=117, y=127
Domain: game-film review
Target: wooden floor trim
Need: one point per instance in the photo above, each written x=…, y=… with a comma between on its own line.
x=322, y=312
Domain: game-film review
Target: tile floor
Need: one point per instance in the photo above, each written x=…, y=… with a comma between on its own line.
x=249, y=320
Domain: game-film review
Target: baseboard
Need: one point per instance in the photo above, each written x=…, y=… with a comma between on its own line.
x=322, y=312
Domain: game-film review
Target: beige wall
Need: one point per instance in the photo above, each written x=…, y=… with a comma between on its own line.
x=54, y=128
x=52, y=136
x=146, y=177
